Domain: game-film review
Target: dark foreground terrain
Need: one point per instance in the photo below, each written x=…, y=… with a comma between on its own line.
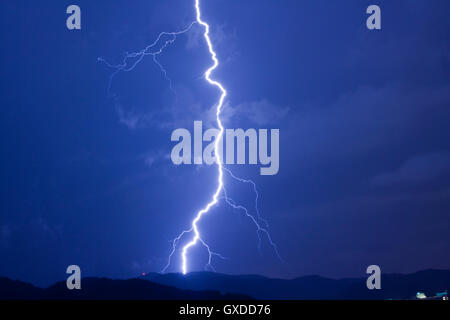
x=107, y=289
x=393, y=286
x=215, y=286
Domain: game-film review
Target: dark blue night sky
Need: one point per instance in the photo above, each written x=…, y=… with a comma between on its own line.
x=364, y=137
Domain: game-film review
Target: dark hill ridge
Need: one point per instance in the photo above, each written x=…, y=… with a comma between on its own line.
x=14, y=289
x=393, y=286
x=107, y=289
x=206, y=285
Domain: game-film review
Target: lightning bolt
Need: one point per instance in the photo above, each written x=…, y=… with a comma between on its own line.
x=130, y=61
x=219, y=137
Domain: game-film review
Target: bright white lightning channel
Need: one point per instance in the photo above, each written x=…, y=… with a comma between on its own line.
x=223, y=94
x=126, y=67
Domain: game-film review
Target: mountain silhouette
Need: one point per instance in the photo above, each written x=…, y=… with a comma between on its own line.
x=107, y=289
x=393, y=286
x=216, y=286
